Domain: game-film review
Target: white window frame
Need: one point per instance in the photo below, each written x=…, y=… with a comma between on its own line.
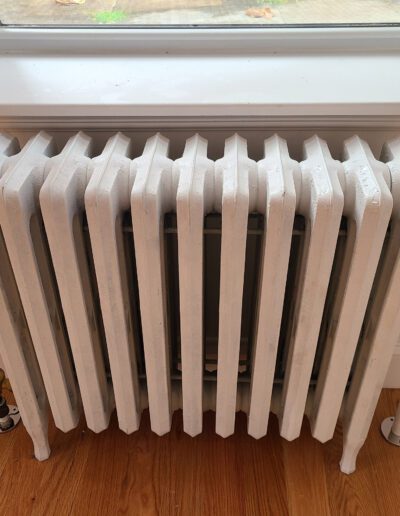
x=249, y=39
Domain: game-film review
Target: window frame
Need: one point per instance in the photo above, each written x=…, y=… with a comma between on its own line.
x=249, y=39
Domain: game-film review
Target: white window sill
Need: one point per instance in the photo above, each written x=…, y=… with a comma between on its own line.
x=202, y=83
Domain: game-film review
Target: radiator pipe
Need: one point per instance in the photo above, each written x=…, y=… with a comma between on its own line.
x=390, y=428
x=6, y=421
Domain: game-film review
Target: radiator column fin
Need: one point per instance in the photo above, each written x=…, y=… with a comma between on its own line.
x=16, y=347
x=321, y=203
x=194, y=200
x=20, y=219
x=368, y=206
x=151, y=198
x=365, y=284
x=381, y=334
x=107, y=199
x=234, y=173
x=277, y=200
x=62, y=203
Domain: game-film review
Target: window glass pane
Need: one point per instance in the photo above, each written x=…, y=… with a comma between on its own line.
x=198, y=12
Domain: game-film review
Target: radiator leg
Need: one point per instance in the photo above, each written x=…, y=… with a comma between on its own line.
x=41, y=446
x=349, y=456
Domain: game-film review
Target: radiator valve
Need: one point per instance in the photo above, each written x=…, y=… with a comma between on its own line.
x=9, y=414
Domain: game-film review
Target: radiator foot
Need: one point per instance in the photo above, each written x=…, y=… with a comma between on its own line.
x=349, y=458
x=348, y=464
x=41, y=450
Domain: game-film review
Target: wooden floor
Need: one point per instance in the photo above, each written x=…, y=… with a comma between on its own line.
x=112, y=473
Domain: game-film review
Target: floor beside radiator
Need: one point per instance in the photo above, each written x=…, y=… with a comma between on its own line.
x=114, y=473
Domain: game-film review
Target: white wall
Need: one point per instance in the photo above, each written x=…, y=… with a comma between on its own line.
x=393, y=376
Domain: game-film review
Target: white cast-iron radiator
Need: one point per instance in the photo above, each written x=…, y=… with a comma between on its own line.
x=227, y=285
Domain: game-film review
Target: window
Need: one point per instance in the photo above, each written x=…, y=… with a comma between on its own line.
x=198, y=12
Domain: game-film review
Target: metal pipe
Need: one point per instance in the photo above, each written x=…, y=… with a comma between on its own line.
x=390, y=428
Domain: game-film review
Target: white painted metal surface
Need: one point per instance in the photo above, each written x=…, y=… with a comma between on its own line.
x=151, y=198
x=368, y=206
x=194, y=200
x=277, y=174
x=107, y=198
x=236, y=195
x=62, y=204
x=112, y=187
x=20, y=221
x=321, y=203
x=16, y=346
x=382, y=331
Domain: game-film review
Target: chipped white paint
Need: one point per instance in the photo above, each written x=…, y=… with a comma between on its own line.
x=107, y=198
x=20, y=222
x=62, y=204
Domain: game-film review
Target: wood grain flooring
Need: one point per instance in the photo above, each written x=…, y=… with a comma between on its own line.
x=112, y=473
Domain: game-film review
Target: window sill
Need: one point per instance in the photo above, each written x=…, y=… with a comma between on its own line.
x=138, y=86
